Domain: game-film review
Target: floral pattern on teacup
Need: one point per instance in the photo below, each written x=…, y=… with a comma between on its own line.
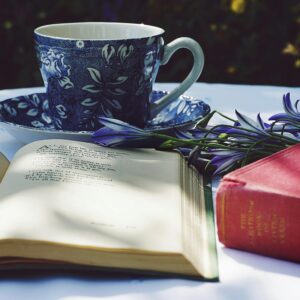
x=33, y=111
x=124, y=52
x=92, y=78
x=53, y=66
x=30, y=110
x=103, y=95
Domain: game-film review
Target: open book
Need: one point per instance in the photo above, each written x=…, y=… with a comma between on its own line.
x=79, y=204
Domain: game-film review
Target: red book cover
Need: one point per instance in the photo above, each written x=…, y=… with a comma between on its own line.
x=258, y=206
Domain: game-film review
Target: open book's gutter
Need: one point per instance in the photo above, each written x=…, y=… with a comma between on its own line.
x=4, y=164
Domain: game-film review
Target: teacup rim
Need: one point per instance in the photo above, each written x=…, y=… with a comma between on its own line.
x=159, y=29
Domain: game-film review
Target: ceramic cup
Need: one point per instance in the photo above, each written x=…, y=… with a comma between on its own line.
x=106, y=69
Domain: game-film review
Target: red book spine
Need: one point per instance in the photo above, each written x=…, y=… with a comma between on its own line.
x=258, y=221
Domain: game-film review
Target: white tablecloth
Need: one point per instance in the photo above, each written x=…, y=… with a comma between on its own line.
x=242, y=275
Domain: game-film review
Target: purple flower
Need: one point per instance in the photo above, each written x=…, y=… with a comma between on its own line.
x=213, y=149
x=184, y=151
x=200, y=160
x=291, y=114
x=193, y=134
x=225, y=160
x=257, y=127
x=288, y=123
x=116, y=133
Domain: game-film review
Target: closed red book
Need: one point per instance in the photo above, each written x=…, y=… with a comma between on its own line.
x=258, y=206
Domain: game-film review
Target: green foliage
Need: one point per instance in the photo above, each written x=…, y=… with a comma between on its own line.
x=244, y=41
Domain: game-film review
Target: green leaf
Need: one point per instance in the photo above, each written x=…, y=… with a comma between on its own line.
x=205, y=120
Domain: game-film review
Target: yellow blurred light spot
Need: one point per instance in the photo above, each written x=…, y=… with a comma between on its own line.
x=238, y=6
x=7, y=25
x=224, y=27
x=213, y=27
x=290, y=49
x=297, y=63
x=41, y=15
x=231, y=70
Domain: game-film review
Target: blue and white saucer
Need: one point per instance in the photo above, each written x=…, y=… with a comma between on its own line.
x=27, y=118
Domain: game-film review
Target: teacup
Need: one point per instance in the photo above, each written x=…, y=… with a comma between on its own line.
x=106, y=69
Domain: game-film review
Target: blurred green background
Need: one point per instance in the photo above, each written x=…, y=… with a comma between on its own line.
x=244, y=41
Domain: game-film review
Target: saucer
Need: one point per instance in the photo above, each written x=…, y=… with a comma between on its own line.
x=27, y=117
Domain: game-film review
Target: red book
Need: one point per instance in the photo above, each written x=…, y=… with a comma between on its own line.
x=258, y=206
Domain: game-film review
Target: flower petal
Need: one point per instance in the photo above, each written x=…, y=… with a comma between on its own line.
x=184, y=151
x=287, y=104
x=119, y=125
x=248, y=123
x=226, y=162
x=281, y=117
x=262, y=124
x=110, y=138
x=296, y=105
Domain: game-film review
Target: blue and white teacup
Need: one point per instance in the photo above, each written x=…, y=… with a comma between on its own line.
x=106, y=69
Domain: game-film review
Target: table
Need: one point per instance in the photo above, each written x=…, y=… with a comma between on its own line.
x=242, y=275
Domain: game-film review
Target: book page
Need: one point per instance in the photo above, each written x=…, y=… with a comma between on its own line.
x=79, y=193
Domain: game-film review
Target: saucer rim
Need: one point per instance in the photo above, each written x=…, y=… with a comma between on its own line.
x=87, y=133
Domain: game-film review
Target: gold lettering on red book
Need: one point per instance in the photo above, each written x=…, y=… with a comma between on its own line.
x=223, y=216
x=282, y=230
x=243, y=221
x=278, y=229
x=257, y=225
x=250, y=223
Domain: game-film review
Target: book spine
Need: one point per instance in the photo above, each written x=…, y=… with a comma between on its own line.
x=258, y=221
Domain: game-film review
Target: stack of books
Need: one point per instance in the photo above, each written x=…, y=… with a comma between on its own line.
x=78, y=206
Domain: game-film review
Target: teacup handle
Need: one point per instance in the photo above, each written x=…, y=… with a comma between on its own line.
x=169, y=49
